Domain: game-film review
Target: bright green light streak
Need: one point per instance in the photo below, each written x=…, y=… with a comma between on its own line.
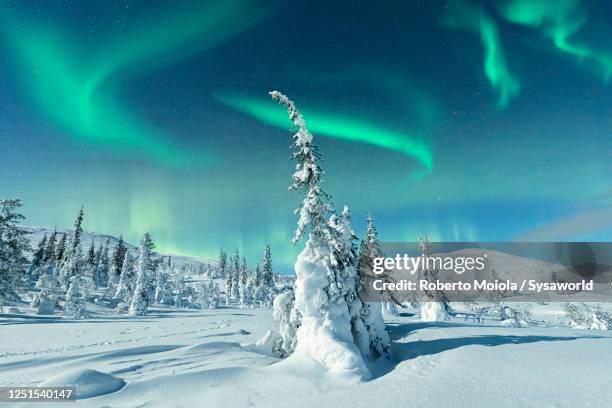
x=559, y=21
x=335, y=126
x=475, y=19
x=495, y=65
x=78, y=89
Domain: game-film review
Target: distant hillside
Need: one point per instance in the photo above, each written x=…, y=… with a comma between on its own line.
x=37, y=233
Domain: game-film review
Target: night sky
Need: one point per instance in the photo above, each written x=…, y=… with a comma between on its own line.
x=466, y=121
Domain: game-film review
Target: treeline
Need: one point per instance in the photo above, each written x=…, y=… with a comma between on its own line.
x=60, y=277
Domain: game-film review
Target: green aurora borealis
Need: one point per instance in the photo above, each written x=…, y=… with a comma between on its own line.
x=464, y=120
x=77, y=88
x=338, y=127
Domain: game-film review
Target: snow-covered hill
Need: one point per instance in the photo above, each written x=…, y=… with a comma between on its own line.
x=37, y=233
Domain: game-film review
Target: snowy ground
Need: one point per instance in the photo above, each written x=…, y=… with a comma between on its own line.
x=202, y=358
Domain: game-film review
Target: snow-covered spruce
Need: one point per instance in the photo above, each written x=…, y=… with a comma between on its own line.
x=13, y=246
x=163, y=288
x=72, y=261
x=588, y=317
x=76, y=305
x=146, y=268
x=371, y=313
x=222, y=264
x=37, y=264
x=264, y=291
x=331, y=330
x=208, y=295
x=101, y=271
x=45, y=300
x=437, y=307
x=116, y=263
x=127, y=282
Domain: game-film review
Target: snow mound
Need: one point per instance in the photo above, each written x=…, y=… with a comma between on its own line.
x=89, y=383
x=433, y=312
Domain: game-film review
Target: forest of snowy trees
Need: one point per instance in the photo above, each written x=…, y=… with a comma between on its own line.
x=58, y=276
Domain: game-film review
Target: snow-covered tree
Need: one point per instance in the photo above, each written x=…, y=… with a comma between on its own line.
x=260, y=292
x=37, y=264
x=437, y=307
x=13, y=246
x=75, y=305
x=228, y=273
x=101, y=273
x=213, y=295
x=244, y=288
x=517, y=316
x=180, y=292
x=285, y=321
x=60, y=249
x=75, y=239
x=263, y=289
x=127, y=282
x=163, y=289
x=325, y=280
x=39, y=254
x=70, y=266
x=146, y=268
x=45, y=299
x=118, y=256
x=90, y=258
x=267, y=274
x=234, y=271
x=222, y=263
x=368, y=314
x=50, y=247
x=588, y=317
x=116, y=262
x=72, y=262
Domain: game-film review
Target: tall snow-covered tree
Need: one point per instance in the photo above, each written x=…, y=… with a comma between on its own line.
x=60, y=250
x=235, y=274
x=181, y=292
x=38, y=257
x=244, y=287
x=267, y=274
x=72, y=262
x=163, y=288
x=324, y=280
x=117, y=260
x=222, y=263
x=101, y=272
x=259, y=290
x=50, y=247
x=371, y=313
x=90, y=258
x=146, y=268
x=437, y=307
x=13, y=246
x=127, y=281
x=39, y=254
x=75, y=239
